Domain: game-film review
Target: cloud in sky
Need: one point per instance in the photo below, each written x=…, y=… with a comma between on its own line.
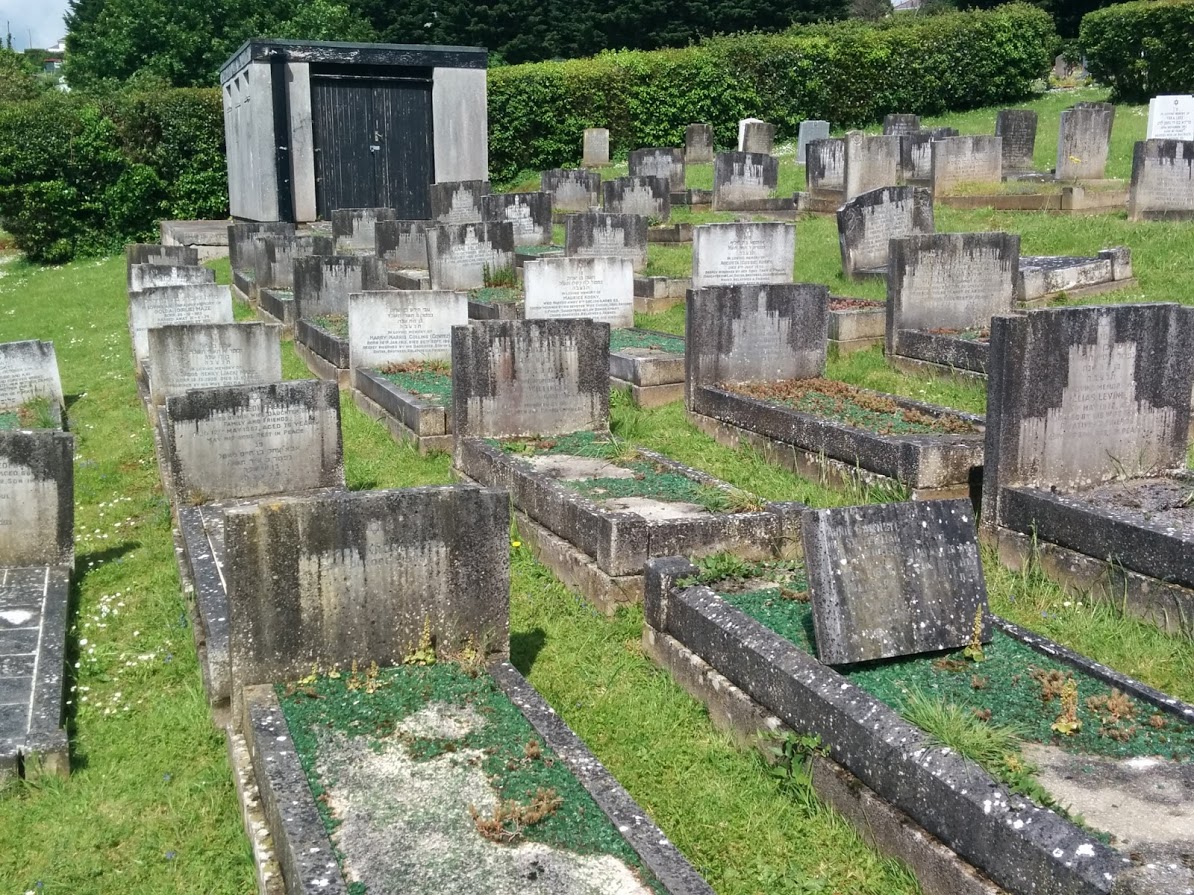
x=41, y=18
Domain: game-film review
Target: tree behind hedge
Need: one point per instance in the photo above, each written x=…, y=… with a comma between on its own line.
x=1141, y=49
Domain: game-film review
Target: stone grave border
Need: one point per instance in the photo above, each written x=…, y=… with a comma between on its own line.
x=501, y=310
x=654, y=295
x=1110, y=196
x=277, y=306
x=427, y=425
x=325, y=354
x=652, y=380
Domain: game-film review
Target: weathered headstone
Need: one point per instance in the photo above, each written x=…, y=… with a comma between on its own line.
x=596, y=147
x=571, y=188
x=972, y=159
x=175, y=305
x=743, y=253
x=740, y=177
x=530, y=377
x=402, y=245
x=698, y=145
x=37, y=501
x=897, y=124
x=1162, y=181
x=458, y=202
x=866, y=225
x=528, y=213
x=1171, y=118
x=916, y=161
x=397, y=326
x=329, y=579
x=353, y=229
x=28, y=372
x=870, y=163
x=155, y=253
x=252, y=440
x=463, y=255
x=649, y=196
x=241, y=247
x=1084, y=141
x=322, y=283
x=148, y=276
x=756, y=136
x=665, y=163
x=894, y=579
x=1017, y=129
x=212, y=356
x=608, y=235
x=825, y=165
x=275, y=255
x=600, y=289
x=811, y=129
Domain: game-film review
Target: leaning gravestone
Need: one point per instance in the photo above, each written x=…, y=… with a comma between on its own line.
x=528, y=213
x=756, y=136
x=530, y=377
x=698, y=145
x=825, y=165
x=812, y=129
x=648, y=196
x=871, y=162
x=28, y=372
x=1017, y=129
x=175, y=305
x=867, y=224
x=971, y=159
x=608, y=235
x=353, y=229
x=743, y=253
x=600, y=289
x=37, y=498
x=596, y=147
x=322, y=283
x=897, y=124
x=571, y=188
x=182, y=358
x=1162, y=181
x=402, y=245
x=665, y=163
x=894, y=579
x=458, y=202
x=148, y=276
x=275, y=256
x=1171, y=118
x=252, y=440
x=398, y=326
x=1084, y=141
x=743, y=177
x=463, y=255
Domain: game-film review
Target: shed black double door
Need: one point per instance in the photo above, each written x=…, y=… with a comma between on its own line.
x=373, y=141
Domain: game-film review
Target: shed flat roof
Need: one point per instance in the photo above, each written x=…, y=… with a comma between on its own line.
x=422, y=55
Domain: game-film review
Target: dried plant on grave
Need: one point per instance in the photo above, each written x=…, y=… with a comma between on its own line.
x=947, y=664
x=470, y=657
x=424, y=653
x=974, y=649
x=1052, y=683
x=532, y=750
x=1116, y=712
x=1157, y=722
x=368, y=681
x=510, y=817
x=417, y=366
x=1067, y=723
x=979, y=682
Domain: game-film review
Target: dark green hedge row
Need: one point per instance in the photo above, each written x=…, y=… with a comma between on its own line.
x=849, y=73
x=84, y=176
x=1141, y=49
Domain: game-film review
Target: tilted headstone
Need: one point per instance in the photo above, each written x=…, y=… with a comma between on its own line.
x=175, y=305
x=359, y=576
x=866, y=225
x=897, y=124
x=825, y=165
x=916, y=160
x=607, y=235
x=400, y=325
x=212, y=356
x=1171, y=118
x=1084, y=141
x=972, y=159
x=322, y=283
x=148, y=276
x=353, y=229
x=462, y=255
x=402, y=245
x=241, y=247
x=600, y=289
x=665, y=163
x=572, y=189
x=740, y=177
x=811, y=129
x=950, y=281
x=155, y=253
x=596, y=147
x=253, y=440
x=743, y=253
x=698, y=145
x=870, y=163
x=894, y=579
x=37, y=500
x=1017, y=129
x=528, y=213
x=458, y=202
x=1162, y=181
x=28, y=372
x=530, y=377
x=275, y=256
x=756, y=136
x=649, y=196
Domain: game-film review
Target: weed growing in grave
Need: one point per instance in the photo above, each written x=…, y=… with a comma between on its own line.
x=424, y=653
x=791, y=756
x=974, y=649
x=336, y=324
x=430, y=380
x=511, y=817
x=1067, y=722
x=499, y=277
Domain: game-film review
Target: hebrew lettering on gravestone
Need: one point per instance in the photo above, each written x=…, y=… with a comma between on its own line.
x=743, y=177
x=175, y=306
x=600, y=289
x=460, y=255
x=641, y=195
x=609, y=235
x=458, y=202
x=217, y=355
x=572, y=189
x=529, y=214
x=1171, y=118
x=743, y=253
x=354, y=229
x=398, y=326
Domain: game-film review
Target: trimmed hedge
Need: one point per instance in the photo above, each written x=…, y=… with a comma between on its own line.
x=850, y=73
x=83, y=176
x=1141, y=49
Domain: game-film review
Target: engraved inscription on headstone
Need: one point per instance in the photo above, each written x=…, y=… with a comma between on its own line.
x=28, y=371
x=146, y=276
x=647, y=196
x=528, y=213
x=1171, y=118
x=866, y=225
x=211, y=356
x=600, y=289
x=612, y=235
x=175, y=305
x=458, y=202
x=959, y=160
x=397, y=326
x=1162, y=180
x=740, y=177
x=1084, y=140
x=665, y=163
x=1017, y=129
x=36, y=498
x=571, y=189
x=402, y=245
x=733, y=254
x=462, y=254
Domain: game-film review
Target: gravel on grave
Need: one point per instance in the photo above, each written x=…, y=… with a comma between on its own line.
x=1167, y=502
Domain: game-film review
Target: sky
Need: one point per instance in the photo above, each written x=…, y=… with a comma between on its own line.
x=41, y=17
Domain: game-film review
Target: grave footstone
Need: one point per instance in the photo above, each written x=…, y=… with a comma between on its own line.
x=825, y=165
x=743, y=177
x=756, y=136
x=811, y=129
x=212, y=356
x=463, y=255
x=175, y=305
x=897, y=124
x=867, y=224
x=894, y=579
x=29, y=372
x=698, y=144
x=528, y=213
x=354, y=229
x=609, y=235
x=646, y=196
x=1017, y=129
x=402, y=245
x=275, y=256
x=322, y=283
x=1162, y=181
x=399, y=326
x=596, y=147
x=1171, y=118
x=600, y=289
x=960, y=160
x=743, y=253
x=1084, y=140
x=571, y=189
x=36, y=498
x=871, y=162
x=458, y=202
x=665, y=163
x=147, y=276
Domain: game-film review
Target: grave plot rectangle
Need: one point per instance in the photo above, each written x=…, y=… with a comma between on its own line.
x=812, y=129
x=175, y=306
x=402, y=245
x=649, y=197
x=898, y=124
x=37, y=509
x=572, y=189
x=1043, y=277
x=215, y=355
x=595, y=151
x=1017, y=129
x=607, y=235
x=756, y=136
x=870, y=163
x=916, y=160
x=1084, y=141
x=461, y=255
x=322, y=343
x=965, y=160
x=354, y=229
x=275, y=257
x=597, y=288
x=277, y=306
x=655, y=162
x=1162, y=181
x=698, y=144
x=742, y=178
x=743, y=254
x=148, y=276
x=648, y=364
x=868, y=222
x=155, y=253
x=29, y=372
x=528, y=213
x=408, y=410
x=1171, y=118
x=400, y=326
x=322, y=283
x=855, y=324
x=253, y=440
x=458, y=202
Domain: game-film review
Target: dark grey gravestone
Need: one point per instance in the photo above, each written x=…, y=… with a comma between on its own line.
x=812, y=129
x=572, y=189
x=322, y=283
x=897, y=124
x=353, y=229
x=698, y=145
x=755, y=334
x=254, y=440
x=37, y=499
x=528, y=213
x=213, y=355
x=149, y=276
x=867, y=223
x=871, y=162
x=825, y=165
x=665, y=163
x=1084, y=141
x=740, y=177
x=1162, y=181
x=458, y=202
x=402, y=245
x=530, y=377
x=241, y=248
x=274, y=256
x=608, y=235
x=1017, y=129
x=650, y=197
x=916, y=154
x=155, y=253
x=29, y=371
x=894, y=579
x=462, y=255
x=756, y=136
x=355, y=576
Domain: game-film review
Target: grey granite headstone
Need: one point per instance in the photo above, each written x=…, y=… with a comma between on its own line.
x=402, y=245
x=871, y=162
x=252, y=440
x=528, y=213
x=155, y=253
x=400, y=325
x=274, y=256
x=242, y=249
x=743, y=177
x=530, y=377
x=897, y=124
x=866, y=224
x=212, y=356
x=1084, y=141
x=356, y=576
x=458, y=202
x=149, y=276
x=1162, y=181
x=959, y=160
x=322, y=283
x=698, y=144
x=648, y=196
x=572, y=189
x=1171, y=118
x=599, y=288
x=825, y=165
x=894, y=579
x=743, y=253
x=460, y=255
x=37, y=500
x=28, y=371
x=665, y=163
x=916, y=160
x=811, y=129
x=1017, y=129
x=175, y=305
x=607, y=235
x=756, y=136
x=595, y=150
x=353, y=229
